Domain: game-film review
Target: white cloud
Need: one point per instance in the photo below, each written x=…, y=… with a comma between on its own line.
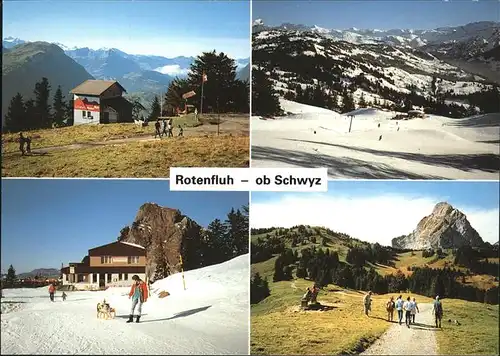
x=173, y=70
x=374, y=219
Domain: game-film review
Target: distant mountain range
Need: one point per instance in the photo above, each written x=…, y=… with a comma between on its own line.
x=44, y=272
x=472, y=47
x=382, y=67
x=24, y=63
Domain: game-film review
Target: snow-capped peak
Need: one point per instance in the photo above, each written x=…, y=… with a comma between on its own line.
x=11, y=39
x=258, y=22
x=320, y=29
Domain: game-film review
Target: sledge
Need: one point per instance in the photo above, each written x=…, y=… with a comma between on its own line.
x=104, y=311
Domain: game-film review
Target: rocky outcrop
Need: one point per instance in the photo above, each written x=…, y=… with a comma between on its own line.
x=446, y=228
x=166, y=234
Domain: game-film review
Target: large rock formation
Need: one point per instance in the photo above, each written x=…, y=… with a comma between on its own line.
x=446, y=228
x=166, y=234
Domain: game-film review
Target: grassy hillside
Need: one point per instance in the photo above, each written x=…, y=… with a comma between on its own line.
x=26, y=64
x=279, y=326
x=151, y=159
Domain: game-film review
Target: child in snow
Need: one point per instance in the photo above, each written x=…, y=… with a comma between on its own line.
x=64, y=296
x=52, y=290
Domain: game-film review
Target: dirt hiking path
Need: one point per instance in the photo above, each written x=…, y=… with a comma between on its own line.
x=235, y=126
x=419, y=339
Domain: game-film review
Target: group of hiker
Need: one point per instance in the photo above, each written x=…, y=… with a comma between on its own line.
x=24, y=144
x=167, y=128
x=406, y=308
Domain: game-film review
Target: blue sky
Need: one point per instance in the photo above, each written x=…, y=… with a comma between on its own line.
x=379, y=14
x=46, y=222
x=167, y=28
x=378, y=211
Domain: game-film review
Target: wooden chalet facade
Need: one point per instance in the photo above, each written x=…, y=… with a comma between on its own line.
x=100, y=102
x=113, y=264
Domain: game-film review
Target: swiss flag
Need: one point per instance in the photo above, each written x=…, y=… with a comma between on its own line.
x=204, y=77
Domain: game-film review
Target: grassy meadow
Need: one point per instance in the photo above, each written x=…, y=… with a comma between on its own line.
x=477, y=333
x=278, y=326
x=147, y=159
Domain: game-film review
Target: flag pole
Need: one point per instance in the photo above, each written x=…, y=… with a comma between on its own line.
x=182, y=273
x=202, y=85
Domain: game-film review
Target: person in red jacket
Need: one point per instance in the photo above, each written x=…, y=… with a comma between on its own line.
x=52, y=290
x=139, y=295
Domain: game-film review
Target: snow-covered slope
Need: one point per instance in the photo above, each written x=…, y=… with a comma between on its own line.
x=209, y=317
x=378, y=147
x=378, y=71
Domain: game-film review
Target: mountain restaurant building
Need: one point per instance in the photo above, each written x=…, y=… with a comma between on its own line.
x=113, y=265
x=100, y=102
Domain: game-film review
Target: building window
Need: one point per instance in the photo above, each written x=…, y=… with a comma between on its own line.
x=106, y=260
x=109, y=277
x=83, y=114
x=133, y=260
x=88, y=114
x=125, y=276
x=94, y=277
x=119, y=276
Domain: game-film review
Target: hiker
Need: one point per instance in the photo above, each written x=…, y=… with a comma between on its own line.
x=22, y=140
x=181, y=131
x=414, y=309
x=64, y=296
x=399, y=308
x=314, y=294
x=367, y=301
x=52, y=290
x=390, y=309
x=139, y=295
x=170, y=134
x=28, y=144
x=164, y=132
x=437, y=310
x=157, y=128
x=407, y=309
x=307, y=295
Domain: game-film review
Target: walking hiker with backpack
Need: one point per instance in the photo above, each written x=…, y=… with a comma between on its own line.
x=390, y=309
x=399, y=308
x=407, y=309
x=164, y=132
x=170, y=133
x=367, y=301
x=22, y=141
x=437, y=310
x=139, y=294
x=413, y=309
x=157, y=128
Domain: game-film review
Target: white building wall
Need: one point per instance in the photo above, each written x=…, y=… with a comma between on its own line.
x=82, y=110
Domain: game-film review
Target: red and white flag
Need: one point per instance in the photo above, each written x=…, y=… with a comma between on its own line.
x=204, y=77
